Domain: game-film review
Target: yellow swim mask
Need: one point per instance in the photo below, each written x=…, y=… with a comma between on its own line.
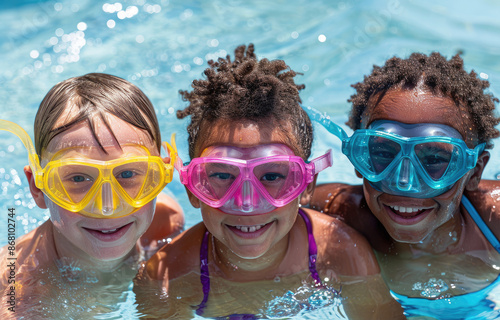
x=99, y=189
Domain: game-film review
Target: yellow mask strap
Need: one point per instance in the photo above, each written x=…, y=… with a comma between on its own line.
x=28, y=144
x=172, y=151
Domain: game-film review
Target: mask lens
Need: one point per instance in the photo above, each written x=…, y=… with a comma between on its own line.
x=71, y=183
x=435, y=157
x=132, y=177
x=382, y=153
x=214, y=179
x=280, y=179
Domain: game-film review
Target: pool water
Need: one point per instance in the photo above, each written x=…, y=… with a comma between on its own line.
x=162, y=45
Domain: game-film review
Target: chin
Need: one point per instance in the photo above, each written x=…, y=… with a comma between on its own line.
x=249, y=255
x=112, y=254
x=407, y=236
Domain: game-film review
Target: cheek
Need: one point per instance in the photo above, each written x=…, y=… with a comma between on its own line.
x=211, y=217
x=371, y=195
x=61, y=218
x=451, y=199
x=288, y=214
x=145, y=215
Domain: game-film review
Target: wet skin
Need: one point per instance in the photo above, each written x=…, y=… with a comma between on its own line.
x=261, y=246
x=408, y=231
x=440, y=213
x=103, y=242
x=278, y=249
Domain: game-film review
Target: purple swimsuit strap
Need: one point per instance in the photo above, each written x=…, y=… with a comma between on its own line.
x=204, y=275
x=313, y=248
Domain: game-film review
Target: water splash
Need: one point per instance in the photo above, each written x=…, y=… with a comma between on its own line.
x=71, y=271
x=432, y=288
x=305, y=298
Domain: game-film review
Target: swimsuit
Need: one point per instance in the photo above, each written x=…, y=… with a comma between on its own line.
x=205, y=279
x=457, y=307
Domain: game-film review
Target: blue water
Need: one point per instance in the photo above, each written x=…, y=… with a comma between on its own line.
x=161, y=46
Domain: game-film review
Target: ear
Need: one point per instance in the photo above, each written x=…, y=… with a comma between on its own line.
x=307, y=194
x=359, y=175
x=195, y=202
x=475, y=178
x=35, y=192
x=166, y=159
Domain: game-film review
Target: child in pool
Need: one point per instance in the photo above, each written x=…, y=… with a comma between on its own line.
x=98, y=141
x=248, y=139
x=421, y=128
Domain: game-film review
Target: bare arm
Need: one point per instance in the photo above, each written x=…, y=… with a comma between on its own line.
x=168, y=222
x=347, y=202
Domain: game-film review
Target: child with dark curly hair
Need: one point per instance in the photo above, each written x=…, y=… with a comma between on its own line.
x=421, y=126
x=257, y=253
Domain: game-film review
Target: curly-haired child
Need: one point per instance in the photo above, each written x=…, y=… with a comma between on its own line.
x=257, y=253
x=421, y=126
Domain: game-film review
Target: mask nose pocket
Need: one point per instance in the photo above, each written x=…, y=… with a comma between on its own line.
x=107, y=198
x=405, y=178
x=246, y=197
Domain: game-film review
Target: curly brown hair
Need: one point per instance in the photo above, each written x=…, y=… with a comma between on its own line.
x=247, y=89
x=439, y=75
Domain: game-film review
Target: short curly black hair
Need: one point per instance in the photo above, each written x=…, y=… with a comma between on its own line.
x=247, y=89
x=442, y=76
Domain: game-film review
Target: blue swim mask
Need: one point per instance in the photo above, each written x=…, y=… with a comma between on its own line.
x=413, y=160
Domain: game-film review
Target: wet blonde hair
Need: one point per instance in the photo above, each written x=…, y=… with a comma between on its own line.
x=94, y=95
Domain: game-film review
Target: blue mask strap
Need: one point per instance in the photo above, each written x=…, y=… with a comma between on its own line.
x=326, y=122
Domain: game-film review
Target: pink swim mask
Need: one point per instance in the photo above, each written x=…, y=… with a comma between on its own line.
x=249, y=181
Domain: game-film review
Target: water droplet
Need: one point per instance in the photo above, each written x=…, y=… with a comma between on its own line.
x=432, y=288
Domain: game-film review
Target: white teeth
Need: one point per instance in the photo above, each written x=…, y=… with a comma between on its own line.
x=109, y=231
x=406, y=209
x=249, y=228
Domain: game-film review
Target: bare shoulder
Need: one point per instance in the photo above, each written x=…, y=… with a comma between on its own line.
x=34, y=250
x=168, y=222
x=486, y=201
x=179, y=257
x=337, y=198
x=342, y=248
x=348, y=203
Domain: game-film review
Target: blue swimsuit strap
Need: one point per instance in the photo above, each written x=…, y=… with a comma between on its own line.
x=420, y=306
x=480, y=223
x=205, y=279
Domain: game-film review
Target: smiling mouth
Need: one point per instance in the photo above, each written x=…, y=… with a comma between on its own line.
x=407, y=212
x=249, y=229
x=108, y=231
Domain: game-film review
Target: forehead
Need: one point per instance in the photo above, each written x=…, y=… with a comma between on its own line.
x=80, y=136
x=418, y=106
x=245, y=134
